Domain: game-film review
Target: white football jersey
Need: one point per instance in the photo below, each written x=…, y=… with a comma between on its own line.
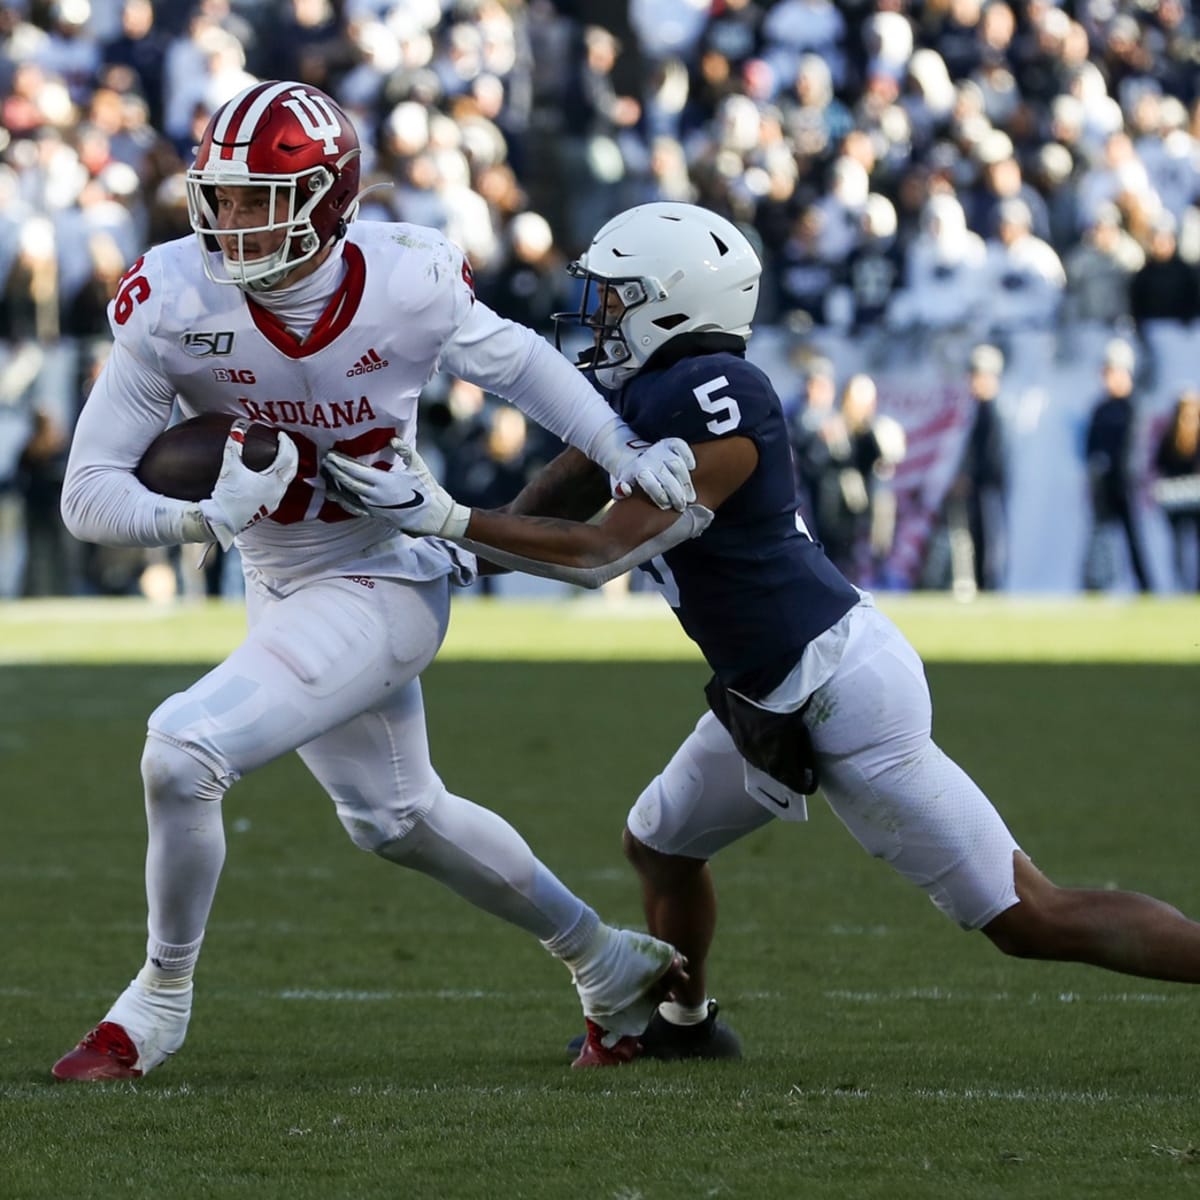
x=404, y=308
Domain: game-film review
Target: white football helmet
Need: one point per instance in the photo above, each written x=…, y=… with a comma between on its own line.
x=676, y=268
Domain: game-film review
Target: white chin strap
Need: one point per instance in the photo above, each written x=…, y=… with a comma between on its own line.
x=257, y=283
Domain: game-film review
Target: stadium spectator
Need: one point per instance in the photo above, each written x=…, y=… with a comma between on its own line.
x=814, y=119
x=952, y=30
x=1100, y=270
x=526, y=284
x=817, y=434
x=599, y=130
x=1121, y=178
x=928, y=98
x=668, y=29
x=1054, y=174
x=946, y=276
x=874, y=446
x=310, y=43
x=1165, y=288
x=733, y=31
x=20, y=40
x=842, y=210
x=804, y=276
x=19, y=420
x=1108, y=452
x=496, y=461
x=976, y=501
x=1177, y=461
x=870, y=273
x=69, y=53
x=795, y=27
x=1025, y=279
x=1002, y=180
x=142, y=48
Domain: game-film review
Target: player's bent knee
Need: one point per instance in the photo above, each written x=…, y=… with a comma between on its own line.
x=1024, y=931
x=1012, y=933
x=1038, y=925
x=389, y=831
x=172, y=769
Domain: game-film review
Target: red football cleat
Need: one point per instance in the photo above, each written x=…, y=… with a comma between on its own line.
x=594, y=1053
x=107, y=1052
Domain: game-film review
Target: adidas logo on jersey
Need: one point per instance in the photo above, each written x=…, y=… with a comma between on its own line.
x=368, y=363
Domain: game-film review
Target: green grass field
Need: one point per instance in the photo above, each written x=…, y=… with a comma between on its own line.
x=359, y=1034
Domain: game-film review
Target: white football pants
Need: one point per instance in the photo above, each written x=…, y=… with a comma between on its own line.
x=900, y=796
x=331, y=670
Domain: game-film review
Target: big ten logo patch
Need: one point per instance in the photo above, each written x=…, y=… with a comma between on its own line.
x=232, y=375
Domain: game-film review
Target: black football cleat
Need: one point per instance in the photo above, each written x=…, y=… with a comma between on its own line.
x=711, y=1039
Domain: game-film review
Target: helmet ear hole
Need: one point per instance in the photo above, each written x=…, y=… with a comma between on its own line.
x=671, y=322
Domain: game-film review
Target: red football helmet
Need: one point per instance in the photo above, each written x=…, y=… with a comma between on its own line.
x=295, y=141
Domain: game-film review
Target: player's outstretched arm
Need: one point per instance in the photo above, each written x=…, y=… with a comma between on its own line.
x=512, y=361
x=570, y=486
x=631, y=531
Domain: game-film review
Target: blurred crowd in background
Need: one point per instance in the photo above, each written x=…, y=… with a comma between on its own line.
x=979, y=221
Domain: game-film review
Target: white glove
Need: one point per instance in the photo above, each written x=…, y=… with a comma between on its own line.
x=407, y=495
x=663, y=472
x=242, y=497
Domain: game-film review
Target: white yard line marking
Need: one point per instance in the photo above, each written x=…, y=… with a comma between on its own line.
x=343, y=996
x=1019, y=1095
x=43, y=1091
x=899, y=995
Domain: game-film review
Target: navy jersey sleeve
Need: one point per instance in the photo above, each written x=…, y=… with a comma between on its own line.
x=704, y=398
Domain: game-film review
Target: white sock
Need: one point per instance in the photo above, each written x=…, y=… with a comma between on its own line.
x=683, y=1014
x=577, y=941
x=169, y=968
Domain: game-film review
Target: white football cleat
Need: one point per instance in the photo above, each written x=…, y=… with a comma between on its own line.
x=142, y=1029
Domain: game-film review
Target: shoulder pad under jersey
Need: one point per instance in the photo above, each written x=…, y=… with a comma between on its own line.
x=429, y=277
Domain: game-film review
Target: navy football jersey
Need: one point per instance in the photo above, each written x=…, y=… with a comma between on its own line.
x=754, y=589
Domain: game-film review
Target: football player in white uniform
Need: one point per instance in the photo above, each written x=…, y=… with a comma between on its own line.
x=281, y=310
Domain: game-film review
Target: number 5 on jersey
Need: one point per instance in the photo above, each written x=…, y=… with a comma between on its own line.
x=726, y=414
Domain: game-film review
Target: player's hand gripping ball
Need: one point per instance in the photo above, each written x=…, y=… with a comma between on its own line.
x=185, y=459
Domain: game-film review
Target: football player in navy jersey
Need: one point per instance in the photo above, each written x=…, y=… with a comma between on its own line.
x=812, y=685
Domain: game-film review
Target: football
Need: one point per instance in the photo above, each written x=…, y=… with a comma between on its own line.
x=185, y=459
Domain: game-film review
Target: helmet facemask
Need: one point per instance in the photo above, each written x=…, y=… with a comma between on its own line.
x=302, y=192
x=610, y=348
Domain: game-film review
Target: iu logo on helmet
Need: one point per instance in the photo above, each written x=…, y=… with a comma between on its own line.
x=315, y=117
